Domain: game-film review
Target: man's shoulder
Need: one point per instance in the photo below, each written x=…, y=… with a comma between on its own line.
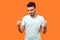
x=40, y=16
x=25, y=16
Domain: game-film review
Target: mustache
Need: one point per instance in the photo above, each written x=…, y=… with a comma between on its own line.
x=31, y=13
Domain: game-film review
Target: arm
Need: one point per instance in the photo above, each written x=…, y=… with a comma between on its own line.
x=44, y=27
x=20, y=27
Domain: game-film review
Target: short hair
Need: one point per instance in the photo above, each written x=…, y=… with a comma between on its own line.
x=30, y=4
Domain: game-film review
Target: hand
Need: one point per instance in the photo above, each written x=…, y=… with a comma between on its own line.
x=44, y=26
x=45, y=23
x=18, y=23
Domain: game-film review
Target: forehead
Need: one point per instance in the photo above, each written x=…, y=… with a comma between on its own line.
x=29, y=8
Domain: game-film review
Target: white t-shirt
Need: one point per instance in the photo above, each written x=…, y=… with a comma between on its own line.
x=32, y=25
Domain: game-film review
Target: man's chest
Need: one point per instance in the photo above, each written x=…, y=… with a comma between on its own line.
x=33, y=22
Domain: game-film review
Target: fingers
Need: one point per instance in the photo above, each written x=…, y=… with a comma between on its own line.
x=18, y=22
x=45, y=23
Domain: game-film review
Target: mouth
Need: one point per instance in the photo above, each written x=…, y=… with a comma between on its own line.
x=31, y=13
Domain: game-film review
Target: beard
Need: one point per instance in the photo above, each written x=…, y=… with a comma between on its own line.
x=32, y=14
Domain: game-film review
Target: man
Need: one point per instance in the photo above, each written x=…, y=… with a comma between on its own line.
x=32, y=23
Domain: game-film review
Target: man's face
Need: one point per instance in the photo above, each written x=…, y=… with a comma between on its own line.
x=31, y=11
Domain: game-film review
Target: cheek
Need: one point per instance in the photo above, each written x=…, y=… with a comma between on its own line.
x=32, y=11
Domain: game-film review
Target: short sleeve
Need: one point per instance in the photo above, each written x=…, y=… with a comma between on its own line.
x=42, y=20
x=23, y=21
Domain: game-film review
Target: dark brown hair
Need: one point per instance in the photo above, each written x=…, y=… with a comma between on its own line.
x=30, y=4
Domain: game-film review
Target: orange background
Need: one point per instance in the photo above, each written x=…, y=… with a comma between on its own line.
x=13, y=10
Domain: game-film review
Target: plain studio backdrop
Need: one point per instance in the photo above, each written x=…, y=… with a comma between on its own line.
x=13, y=10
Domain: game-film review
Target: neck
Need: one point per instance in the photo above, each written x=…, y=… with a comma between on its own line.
x=34, y=16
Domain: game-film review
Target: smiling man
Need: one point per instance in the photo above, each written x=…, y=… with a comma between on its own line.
x=32, y=23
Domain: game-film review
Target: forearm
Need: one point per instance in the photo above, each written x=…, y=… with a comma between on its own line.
x=20, y=30
x=44, y=25
x=44, y=30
